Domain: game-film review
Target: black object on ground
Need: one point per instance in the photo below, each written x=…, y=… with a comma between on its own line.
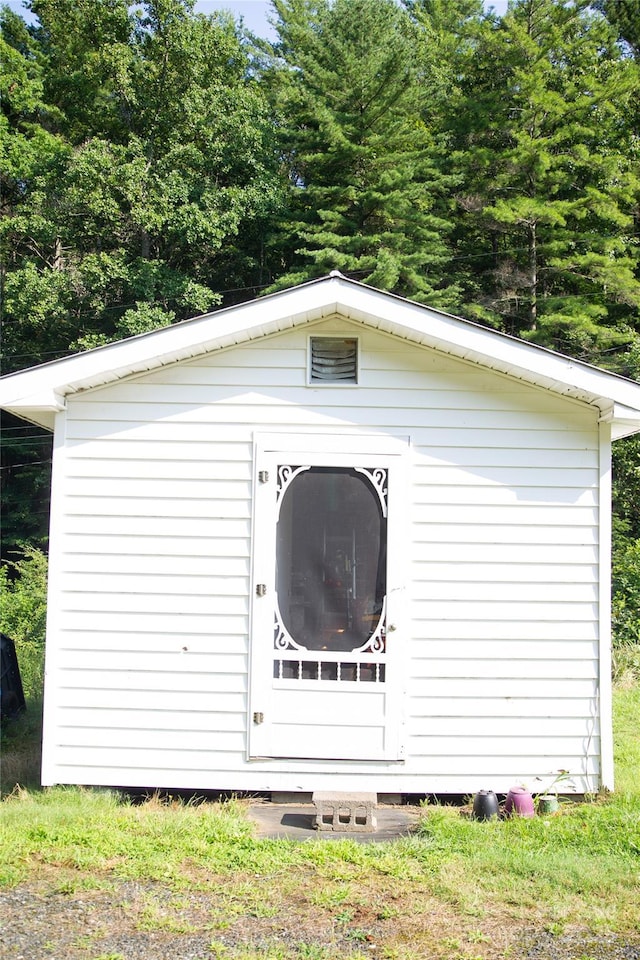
x=12, y=701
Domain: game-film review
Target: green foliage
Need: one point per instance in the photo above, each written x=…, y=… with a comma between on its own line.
x=550, y=180
x=23, y=609
x=626, y=593
x=626, y=544
x=121, y=199
x=624, y=15
x=137, y=156
x=367, y=195
x=25, y=455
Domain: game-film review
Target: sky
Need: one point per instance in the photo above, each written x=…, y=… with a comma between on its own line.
x=253, y=12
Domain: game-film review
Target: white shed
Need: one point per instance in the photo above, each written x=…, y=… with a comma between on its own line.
x=329, y=539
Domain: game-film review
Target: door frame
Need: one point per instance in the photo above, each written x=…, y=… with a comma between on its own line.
x=318, y=449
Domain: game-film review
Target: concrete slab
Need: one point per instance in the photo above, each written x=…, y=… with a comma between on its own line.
x=291, y=822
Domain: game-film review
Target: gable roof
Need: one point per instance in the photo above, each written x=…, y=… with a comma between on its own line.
x=38, y=393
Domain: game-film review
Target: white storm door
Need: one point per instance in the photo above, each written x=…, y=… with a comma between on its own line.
x=326, y=658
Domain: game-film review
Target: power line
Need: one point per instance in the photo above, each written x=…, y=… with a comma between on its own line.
x=32, y=463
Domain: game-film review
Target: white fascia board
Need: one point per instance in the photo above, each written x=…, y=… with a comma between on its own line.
x=469, y=341
x=181, y=341
x=47, y=400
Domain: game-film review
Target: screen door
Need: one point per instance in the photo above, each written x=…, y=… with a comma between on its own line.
x=326, y=668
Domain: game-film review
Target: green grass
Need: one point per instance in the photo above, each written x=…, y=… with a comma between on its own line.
x=582, y=864
x=456, y=881
x=626, y=736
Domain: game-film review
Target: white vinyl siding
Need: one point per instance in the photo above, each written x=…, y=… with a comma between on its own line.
x=149, y=638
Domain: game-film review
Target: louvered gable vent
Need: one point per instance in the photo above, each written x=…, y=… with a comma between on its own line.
x=334, y=360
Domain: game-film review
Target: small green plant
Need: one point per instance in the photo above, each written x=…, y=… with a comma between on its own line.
x=84, y=942
x=153, y=917
x=218, y=949
x=357, y=935
x=451, y=943
x=550, y=792
x=477, y=936
x=23, y=612
x=313, y=951
x=331, y=897
x=387, y=912
x=345, y=916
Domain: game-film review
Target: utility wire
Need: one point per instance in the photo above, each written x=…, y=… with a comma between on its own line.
x=32, y=463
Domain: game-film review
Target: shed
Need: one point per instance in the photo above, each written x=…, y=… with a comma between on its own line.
x=328, y=539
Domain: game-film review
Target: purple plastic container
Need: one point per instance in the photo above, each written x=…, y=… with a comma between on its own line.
x=519, y=803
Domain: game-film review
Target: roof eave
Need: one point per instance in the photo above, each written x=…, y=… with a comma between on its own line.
x=38, y=393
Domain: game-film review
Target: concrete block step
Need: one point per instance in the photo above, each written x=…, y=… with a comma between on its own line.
x=345, y=812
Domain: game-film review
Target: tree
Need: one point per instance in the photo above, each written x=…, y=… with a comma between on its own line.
x=449, y=31
x=366, y=194
x=550, y=179
x=163, y=156
x=624, y=16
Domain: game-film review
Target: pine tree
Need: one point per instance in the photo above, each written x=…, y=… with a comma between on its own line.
x=449, y=31
x=624, y=16
x=550, y=179
x=367, y=195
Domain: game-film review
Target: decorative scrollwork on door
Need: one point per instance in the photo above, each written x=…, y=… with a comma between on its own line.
x=286, y=475
x=331, y=554
x=282, y=639
x=379, y=478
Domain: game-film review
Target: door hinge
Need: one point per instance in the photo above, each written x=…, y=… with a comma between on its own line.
x=261, y=589
x=263, y=476
x=258, y=717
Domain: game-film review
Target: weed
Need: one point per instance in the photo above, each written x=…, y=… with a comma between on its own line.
x=331, y=897
x=345, y=916
x=71, y=885
x=451, y=943
x=359, y=936
x=218, y=949
x=23, y=610
x=314, y=951
x=21, y=750
x=387, y=912
x=153, y=917
x=477, y=936
x=85, y=941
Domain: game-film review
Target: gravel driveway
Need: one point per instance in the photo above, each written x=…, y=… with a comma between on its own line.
x=134, y=921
